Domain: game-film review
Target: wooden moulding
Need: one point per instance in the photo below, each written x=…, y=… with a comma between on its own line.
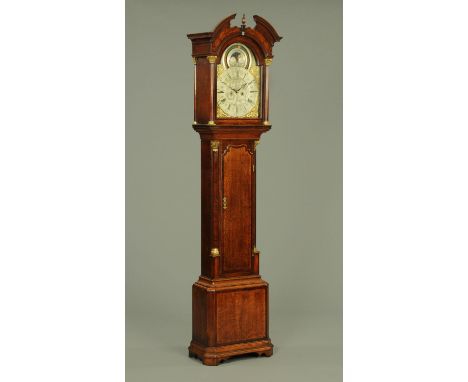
x=213, y=356
x=231, y=132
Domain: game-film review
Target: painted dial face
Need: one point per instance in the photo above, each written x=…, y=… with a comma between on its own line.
x=237, y=92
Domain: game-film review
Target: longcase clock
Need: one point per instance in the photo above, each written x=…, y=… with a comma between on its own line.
x=230, y=299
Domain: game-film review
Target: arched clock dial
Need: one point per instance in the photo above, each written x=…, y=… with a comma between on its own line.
x=238, y=84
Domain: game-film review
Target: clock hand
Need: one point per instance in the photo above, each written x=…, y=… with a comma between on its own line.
x=234, y=90
x=228, y=86
x=243, y=86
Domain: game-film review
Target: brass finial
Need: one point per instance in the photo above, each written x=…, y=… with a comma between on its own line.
x=243, y=24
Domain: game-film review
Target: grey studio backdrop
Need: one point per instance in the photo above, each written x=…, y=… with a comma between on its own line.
x=299, y=191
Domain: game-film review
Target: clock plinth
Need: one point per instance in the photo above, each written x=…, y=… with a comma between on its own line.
x=230, y=299
x=230, y=318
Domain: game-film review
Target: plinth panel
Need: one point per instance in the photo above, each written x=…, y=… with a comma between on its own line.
x=229, y=315
x=230, y=318
x=241, y=315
